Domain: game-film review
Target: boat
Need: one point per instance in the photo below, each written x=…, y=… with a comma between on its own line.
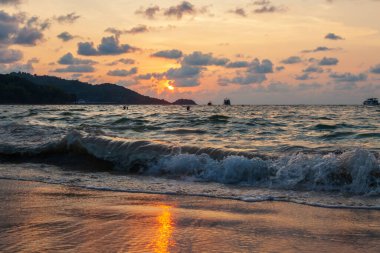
x=227, y=101
x=209, y=103
x=371, y=101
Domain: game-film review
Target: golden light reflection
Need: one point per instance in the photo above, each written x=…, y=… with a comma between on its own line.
x=162, y=240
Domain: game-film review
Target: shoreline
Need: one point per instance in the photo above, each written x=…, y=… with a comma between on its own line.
x=258, y=200
x=61, y=218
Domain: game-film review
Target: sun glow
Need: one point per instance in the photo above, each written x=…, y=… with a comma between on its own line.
x=165, y=84
x=170, y=87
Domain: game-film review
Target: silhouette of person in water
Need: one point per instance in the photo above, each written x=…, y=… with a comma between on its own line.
x=188, y=108
x=125, y=107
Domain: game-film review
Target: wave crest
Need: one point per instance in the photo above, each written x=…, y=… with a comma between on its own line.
x=356, y=171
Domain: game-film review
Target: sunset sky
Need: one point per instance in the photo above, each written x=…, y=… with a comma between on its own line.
x=255, y=52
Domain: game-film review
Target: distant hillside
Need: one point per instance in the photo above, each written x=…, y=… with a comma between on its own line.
x=184, y=102
x=17, y=90
x=84, y=92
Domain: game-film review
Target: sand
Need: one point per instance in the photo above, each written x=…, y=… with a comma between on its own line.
x=37, y=217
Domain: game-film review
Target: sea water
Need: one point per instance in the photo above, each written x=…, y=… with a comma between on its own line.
x=316, y=155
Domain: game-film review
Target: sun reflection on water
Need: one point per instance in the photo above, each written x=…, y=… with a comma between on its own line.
x=162, y=240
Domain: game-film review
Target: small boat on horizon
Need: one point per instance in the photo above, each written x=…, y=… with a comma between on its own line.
x=209, y=103
x=371, y=101
x=227, y=101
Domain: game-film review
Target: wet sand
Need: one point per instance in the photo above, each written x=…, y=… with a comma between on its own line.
x=37, y=217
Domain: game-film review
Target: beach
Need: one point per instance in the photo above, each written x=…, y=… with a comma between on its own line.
x=40, y=217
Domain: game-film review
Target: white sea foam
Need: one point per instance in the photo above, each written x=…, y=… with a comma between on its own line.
x=355, y=171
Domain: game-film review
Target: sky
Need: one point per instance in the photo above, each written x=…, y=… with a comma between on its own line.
x=252, y=51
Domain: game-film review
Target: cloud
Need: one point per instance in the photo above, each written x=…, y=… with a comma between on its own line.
x=125, y=61
x=238, y=64
x=76, y=69
x=292, y=60
x=69, y=59
x=18, y=29
x=65, y=36
x=10, y=55
x=239, y=11
x=28, y=36
x=127, y=83
x=149, y=76
x=265, y=6
x=267, y=9
x=87, y=48
x=243, y=79
x=169, y=54
x=278, y=87
x=348, y=77
x=303, y=77
x=313, y=69
x=26, y=67
x=138, y=29
x=333, y=36
x=328, y=61
x=149, y=12
x=180, y=10
x=255, y=73
x=10, y=2
x=257, y=67
x=185, y=76
x=76, y=76
x=9, y=26
x=280, y=68
x=309, y=86
x=183, y=72
x=109, y=46
x=122, y=72
x=375, y=69
x=186, y=82
x=134, y=30
x=319, y=49
x=200, y=59
x=68, y=18
x=176, y=11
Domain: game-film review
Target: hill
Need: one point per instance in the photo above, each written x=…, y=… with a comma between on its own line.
x=91, y=94
x=184, y=102
x=17, y=90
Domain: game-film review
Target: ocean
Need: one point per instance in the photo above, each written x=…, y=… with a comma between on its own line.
x=314, y=155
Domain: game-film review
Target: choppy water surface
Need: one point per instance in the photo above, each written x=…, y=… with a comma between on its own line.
x=250, y=152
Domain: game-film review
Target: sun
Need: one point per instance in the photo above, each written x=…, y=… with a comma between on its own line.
x=166, y=85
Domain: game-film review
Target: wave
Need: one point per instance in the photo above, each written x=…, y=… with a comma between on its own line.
x=354, y=171
x=129, y=121
x=367, y=135
x=186, y=131
x=337, y=135
x=328, y=127
x=218, y=118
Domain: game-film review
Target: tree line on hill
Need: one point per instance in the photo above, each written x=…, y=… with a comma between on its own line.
x=24, y=88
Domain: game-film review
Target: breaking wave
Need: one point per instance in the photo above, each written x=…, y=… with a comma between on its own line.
x=355, y=171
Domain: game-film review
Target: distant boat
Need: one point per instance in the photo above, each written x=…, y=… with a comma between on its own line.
x=227, y=101
x=371, y=101
x=209, y=103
